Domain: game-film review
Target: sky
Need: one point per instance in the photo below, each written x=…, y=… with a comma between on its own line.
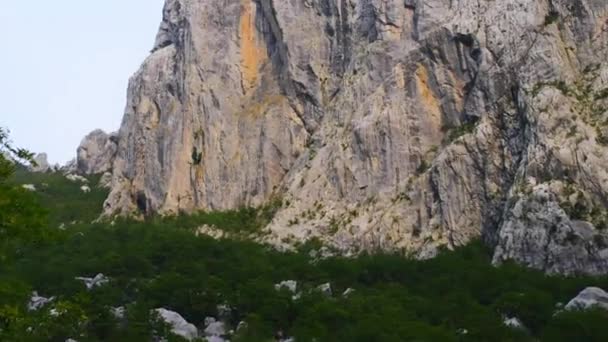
x=65, y=66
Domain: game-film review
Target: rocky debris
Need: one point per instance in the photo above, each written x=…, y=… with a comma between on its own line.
x=242, y=325
x=70, y=340
x=383, y=126
x=29, y=187
x=214, y=329
x=321, y=254
x=42, y=163
x=290, y=285
x=76, y=178
x=118, y=312
x=91, y=283
x=462, y=331
x=179, y=326
x=85, y=188
x=325, y=289
x=105, y=181
x=224, y=311
x=348, y=292
x=588, y=298
x=514, y=323
x=211, y=231
x=96, y=152
x=38, y=302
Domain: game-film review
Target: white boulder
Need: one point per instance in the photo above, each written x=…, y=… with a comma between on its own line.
x=290, y=285
x=325, y=289
x=588, y=298
x=179, y=326
x=513, y=322
x=76, y=178
x=214, y=328
x=38, y=302
x=96, y=281
x=29, y=187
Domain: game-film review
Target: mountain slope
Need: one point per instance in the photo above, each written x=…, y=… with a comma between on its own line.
x=380, y=124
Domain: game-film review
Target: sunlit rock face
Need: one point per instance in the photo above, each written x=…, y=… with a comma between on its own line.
x=394, y=125
x=96, y=153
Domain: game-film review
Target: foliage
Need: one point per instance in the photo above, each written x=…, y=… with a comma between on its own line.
x=551, y=17
x=458, y=296
x=456, y=132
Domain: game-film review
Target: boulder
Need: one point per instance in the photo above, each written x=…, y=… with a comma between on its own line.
x=589, y=298
x=29, y=187
x=91, y=283
x=325, y=289
x=290, y=285
x=179, y=326
x=214, y=328
x=513, y=322
x=38, y=302
x=42, y=163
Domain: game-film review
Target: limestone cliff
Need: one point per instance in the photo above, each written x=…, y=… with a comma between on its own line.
x=393, y=124
x=96, y=153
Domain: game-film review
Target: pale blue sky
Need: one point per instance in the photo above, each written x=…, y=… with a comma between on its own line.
x=65, y=65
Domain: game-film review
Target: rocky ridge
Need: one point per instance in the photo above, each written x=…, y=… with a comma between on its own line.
x=404, y=125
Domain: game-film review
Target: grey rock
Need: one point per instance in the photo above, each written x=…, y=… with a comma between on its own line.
x=91, y=283
x=42, y=163
x=382, y=124
x=29, y=187
x=70, y=167
x=325, y=289
x=118, y=312
x=179, y=326
x=589, y=298
x=96, y=152
x=214, y=328
x=38, y=302
x=514, y=323
x=290, y=285
x=348, y=292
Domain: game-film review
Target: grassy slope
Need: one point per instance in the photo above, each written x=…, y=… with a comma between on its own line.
x=160, y=263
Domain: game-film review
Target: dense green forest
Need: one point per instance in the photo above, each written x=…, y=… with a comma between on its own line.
x=48, y=239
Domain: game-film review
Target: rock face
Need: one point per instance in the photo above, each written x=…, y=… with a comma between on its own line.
x=382, y=124
x=96, y=152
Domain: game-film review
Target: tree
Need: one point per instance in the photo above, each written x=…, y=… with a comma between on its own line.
x=20, y=214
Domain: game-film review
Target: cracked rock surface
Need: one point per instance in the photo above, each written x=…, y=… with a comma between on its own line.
x=382, y=124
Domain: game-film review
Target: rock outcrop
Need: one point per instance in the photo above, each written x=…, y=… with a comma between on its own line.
x=179, y=326
x=404, y=125
x=96, y=152
x=41, y=163
x=590, y=297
